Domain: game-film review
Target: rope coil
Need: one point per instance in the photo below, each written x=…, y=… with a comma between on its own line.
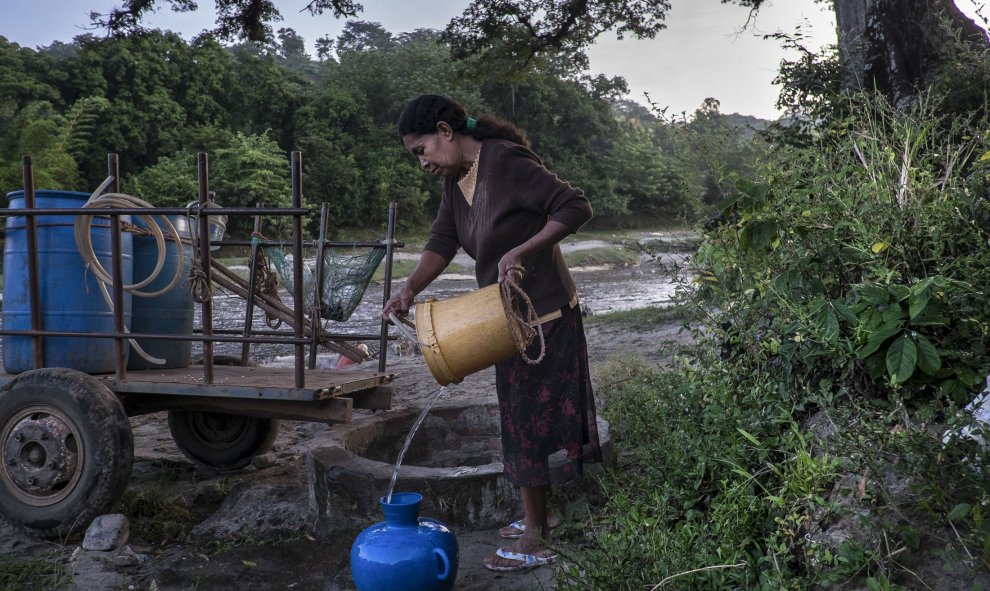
x=524, y=328
x=84, y=244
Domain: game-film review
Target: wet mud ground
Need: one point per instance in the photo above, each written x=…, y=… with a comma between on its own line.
x=251, y=527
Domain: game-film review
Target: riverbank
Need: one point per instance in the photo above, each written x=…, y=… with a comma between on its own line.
x=193, y=528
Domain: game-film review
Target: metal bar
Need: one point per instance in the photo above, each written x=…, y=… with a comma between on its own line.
x=327, y=244
x=283, y=337
x=339, y=336
x=387, y=284
x=203, y=173
x=297, y=264
x=213, y=338
x=117, y=266
x=318, y=288
x=34, y=283
x=252, y=279
x=283, y=211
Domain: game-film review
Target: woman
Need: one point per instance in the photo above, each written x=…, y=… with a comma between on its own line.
x=509, y=213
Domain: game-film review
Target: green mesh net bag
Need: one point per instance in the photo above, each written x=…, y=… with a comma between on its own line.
x=345, y=277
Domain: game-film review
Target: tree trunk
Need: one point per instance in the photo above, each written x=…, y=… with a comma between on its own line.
x=899, y=47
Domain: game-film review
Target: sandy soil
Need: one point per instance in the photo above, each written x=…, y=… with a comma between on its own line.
x=251, y=529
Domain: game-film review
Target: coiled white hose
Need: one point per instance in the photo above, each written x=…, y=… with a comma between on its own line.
x=84, y=243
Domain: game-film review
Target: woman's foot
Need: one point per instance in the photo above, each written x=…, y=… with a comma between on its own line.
x=516, y=529
x=523, y=554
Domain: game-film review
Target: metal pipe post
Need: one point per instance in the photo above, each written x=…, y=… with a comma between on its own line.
x=297, y=266
x=34, y=282
x=117, y=264
x=203, y=174
x=387, y=287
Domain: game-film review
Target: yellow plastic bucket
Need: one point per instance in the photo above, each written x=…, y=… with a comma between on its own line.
x=465, y=334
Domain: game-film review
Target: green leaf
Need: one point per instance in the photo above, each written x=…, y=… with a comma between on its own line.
x=743, y=473
x=918, y=301
x=928, y=357
x=878, y=337
x=959, y=511
x=874, y=366
x=844, y=312
x=748, y=436
x=758, y=235
x=725, y=206
x=894, y=313
x=900, y=292
x=873, y=294
x=902, y=357
x=830, y=325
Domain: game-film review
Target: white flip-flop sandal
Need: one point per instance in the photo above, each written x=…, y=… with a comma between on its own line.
x=526, y=561
x=517, y=525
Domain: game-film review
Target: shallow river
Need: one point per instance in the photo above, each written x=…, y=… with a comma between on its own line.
x=601, y=290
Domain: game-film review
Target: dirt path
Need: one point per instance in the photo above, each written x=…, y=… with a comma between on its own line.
x=250, y=529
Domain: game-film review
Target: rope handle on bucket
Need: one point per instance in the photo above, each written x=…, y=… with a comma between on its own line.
x=524, y=329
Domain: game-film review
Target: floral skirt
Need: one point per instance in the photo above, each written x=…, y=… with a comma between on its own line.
x=549, y=406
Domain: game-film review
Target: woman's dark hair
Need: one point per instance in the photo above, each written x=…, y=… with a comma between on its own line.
x=422, y=114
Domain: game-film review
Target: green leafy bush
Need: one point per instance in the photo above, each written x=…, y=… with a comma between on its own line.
x=862, y=258
x=848, y=283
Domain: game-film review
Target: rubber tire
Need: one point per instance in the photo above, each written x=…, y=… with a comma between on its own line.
x=103, y=433
x=243, y=438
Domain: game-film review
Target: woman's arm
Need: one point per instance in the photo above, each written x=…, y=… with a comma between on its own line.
x=551, y=234
x=428, y=268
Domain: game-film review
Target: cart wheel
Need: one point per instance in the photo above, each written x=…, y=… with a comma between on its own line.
x=66, y=448
x=220, y=440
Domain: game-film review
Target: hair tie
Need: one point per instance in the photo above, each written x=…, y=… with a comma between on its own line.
x=471, y=122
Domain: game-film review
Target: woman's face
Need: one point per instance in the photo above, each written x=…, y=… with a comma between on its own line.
x=437, y=152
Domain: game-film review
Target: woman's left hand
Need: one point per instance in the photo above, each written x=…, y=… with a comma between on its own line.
x=511, y=267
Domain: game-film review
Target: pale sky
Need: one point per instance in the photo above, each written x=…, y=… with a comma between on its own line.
x=704, y=52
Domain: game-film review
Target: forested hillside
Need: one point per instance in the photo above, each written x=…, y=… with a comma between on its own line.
x=157, y=99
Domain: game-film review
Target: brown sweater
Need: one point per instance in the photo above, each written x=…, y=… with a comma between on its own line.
x=514, y=197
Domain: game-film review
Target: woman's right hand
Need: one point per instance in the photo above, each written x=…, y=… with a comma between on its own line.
x=399, y=303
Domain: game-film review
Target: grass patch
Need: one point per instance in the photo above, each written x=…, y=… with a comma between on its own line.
x=33, y=574
x=231, y=543
x=611, y=256
x=456, y=269
x=402, y=268
x=156, y=514
x=641, y=316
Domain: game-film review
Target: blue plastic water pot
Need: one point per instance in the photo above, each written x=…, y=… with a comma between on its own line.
x=405, y=551
x=69, y=298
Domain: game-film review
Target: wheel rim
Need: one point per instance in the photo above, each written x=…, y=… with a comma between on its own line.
x=42, y=455
x=219, y=431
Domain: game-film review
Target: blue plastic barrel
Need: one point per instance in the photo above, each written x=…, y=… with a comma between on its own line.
x=70, y=297
x=168, y=313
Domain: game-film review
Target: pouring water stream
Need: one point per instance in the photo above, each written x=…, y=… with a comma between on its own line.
x=409, y=438
x=419, y=420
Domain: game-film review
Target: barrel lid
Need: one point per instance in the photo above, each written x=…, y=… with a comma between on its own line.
x=49, y=193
